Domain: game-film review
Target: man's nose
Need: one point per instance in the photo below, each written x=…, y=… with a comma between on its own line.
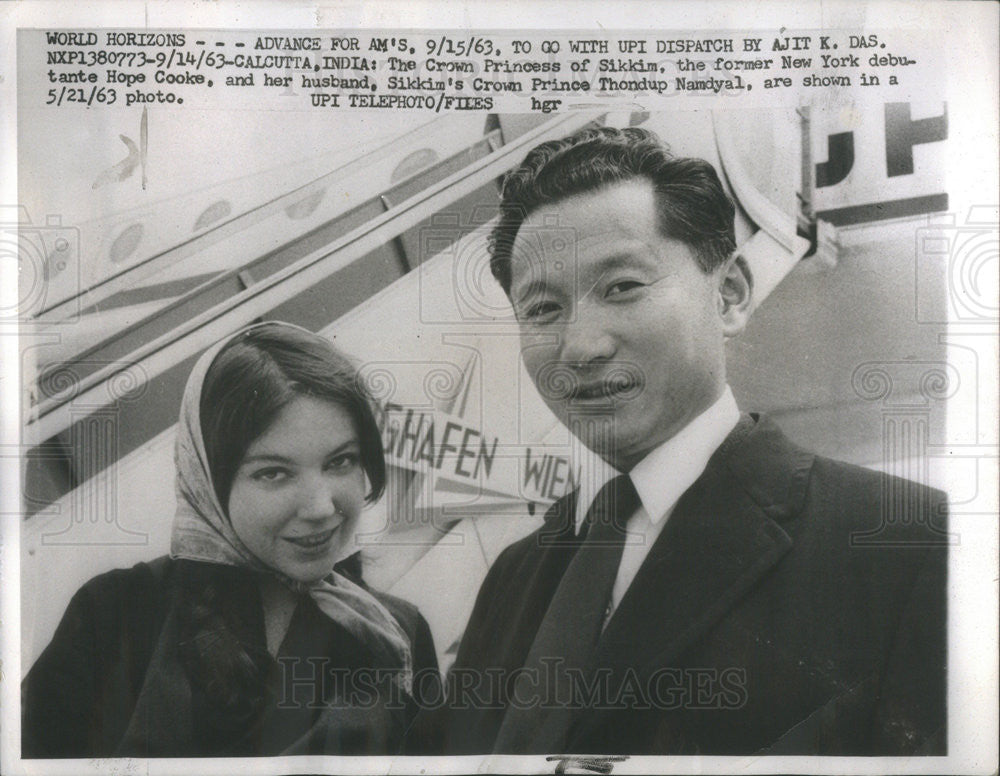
x=587, y=339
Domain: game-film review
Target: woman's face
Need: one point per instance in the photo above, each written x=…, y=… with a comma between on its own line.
x=298, y=493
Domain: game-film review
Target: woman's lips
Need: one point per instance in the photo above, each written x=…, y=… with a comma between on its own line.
x=315, y=541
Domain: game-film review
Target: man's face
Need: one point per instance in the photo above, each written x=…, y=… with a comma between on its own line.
x=621, y=331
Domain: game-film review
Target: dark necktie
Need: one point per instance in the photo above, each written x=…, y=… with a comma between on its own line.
x=542, y=709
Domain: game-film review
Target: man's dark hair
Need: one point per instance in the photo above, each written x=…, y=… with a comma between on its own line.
x=693, y=207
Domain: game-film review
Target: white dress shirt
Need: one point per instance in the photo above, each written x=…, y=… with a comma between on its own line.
x=660, y=479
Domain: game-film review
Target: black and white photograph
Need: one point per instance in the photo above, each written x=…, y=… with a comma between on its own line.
x=471, y=388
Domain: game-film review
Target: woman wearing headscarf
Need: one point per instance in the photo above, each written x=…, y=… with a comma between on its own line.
x=256, y=635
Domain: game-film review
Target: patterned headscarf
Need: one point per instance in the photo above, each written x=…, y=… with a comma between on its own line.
x=202, y=532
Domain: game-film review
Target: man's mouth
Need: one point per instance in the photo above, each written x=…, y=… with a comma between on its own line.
x=621, y=385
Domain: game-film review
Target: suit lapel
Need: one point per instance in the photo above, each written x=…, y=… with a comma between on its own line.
x=534, y=581
x=719, y=541
x=713, y=549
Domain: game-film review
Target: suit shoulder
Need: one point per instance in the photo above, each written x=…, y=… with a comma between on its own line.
x=876, y=508
x=514, y=559
x=516, y=553
x=869, y=479
x=784, y=478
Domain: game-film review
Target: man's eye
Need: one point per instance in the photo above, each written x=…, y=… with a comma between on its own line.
x=271, y=474
x=540, y=311
x=622, y=287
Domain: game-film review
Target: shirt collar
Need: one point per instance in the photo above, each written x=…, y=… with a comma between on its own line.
x=670, y=469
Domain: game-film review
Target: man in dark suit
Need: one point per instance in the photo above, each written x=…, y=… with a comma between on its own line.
x=713, y=589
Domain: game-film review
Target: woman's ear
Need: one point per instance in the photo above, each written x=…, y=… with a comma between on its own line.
x=735, y=294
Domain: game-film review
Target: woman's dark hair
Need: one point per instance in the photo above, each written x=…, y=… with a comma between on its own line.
x=251, y=379
x=692, y=205
x=259, y=373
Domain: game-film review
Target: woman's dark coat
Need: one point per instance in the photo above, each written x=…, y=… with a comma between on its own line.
x=323, y=694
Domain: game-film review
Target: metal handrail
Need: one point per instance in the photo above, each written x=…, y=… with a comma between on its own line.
x=52, y=416
x=113, y=284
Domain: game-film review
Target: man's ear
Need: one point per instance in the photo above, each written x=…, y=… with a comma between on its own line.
x=735, y=294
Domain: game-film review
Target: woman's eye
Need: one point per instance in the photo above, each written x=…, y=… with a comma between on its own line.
x=344, y=461
x=270, y=475
x=623, y=286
